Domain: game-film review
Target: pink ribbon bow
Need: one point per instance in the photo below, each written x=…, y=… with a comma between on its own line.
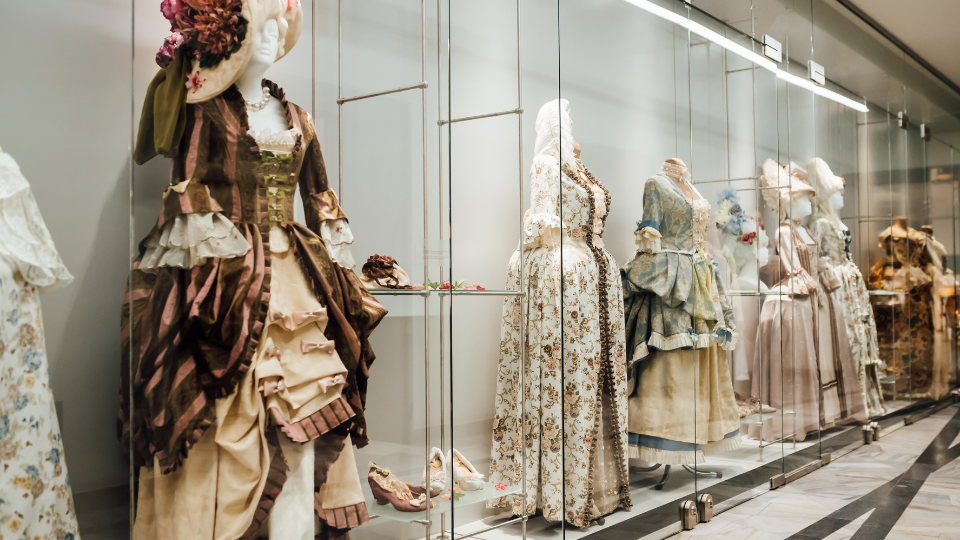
x=307, y=346
x=297, y=318
x=327, y=382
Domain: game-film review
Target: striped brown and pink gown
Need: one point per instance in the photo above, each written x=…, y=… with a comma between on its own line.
x=203, y=342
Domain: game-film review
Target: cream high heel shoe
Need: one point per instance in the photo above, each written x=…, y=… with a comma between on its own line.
x=466, y=476
x=438, y=471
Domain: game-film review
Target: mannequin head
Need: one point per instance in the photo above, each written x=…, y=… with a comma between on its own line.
x=835, y=202
x=800, y=206
x=266, y=46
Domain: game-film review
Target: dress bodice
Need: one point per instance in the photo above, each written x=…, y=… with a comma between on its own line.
x=683, y=223
x=562, y=202
x=832, y=241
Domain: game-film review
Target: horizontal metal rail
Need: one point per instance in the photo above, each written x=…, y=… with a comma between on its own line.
x=375, y=94
x=479, y=116
x=469, y=292
x=454, y=535
x=718, y=181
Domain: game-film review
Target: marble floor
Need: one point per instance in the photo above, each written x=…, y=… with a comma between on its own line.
x=907, y=485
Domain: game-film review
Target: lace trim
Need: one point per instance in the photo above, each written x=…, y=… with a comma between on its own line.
x=189, y=240
x=282, y=142
x=337, y=237
x=23, y=233
x=701, y=224
x=606, y=371
x=648, y=240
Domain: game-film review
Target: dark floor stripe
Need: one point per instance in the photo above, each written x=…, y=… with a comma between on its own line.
x=891, y=499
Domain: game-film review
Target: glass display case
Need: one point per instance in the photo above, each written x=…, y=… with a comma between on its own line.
x=503, y=269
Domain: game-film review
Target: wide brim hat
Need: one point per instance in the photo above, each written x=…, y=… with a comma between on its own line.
x=214, y=80
x=781, y=184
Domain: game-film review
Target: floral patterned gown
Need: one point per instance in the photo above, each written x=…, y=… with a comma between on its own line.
x=834, y=239
x=35, y=497
x=573, y=423
x=679, y=328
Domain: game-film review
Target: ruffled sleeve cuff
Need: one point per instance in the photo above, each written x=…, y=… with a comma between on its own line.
x=190, y=240
x=186, y=198
x=327, y=206
x=539, y=228
x=725, y=338
x=337, y=237
x=24, y=237
x=648, y=239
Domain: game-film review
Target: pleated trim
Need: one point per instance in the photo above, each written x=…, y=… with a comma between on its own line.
x=346, y=517
x=667, y=457
x=677, y=341
x=330, y=416
x=719, y=447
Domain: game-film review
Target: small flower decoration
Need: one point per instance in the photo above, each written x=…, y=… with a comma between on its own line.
x=747, y=238
x=169, y=49
x=455, y=494
x=500, y=487
x=195, y=82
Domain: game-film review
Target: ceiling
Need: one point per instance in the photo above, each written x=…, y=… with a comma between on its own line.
x=929, y=27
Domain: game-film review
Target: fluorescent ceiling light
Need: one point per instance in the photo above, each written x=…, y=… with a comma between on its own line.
x=740, y=50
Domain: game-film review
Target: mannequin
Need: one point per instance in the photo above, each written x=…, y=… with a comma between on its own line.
x=833, y=238
x=272, y=116
x=273, y=381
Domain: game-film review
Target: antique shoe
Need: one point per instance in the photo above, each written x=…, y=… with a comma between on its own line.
x=388, y=488
x=464, y=473
x=438, y=471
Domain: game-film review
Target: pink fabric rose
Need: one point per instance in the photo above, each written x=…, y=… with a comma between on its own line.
x=747, y=238
x=169, y=49
x=170, y=9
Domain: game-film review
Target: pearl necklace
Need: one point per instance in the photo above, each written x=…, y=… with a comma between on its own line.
x=258, y=106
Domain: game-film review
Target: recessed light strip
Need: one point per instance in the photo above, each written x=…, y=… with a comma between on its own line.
x=745, y=53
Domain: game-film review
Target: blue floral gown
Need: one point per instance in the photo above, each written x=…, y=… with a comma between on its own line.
x=35, y=497
x=679, y=327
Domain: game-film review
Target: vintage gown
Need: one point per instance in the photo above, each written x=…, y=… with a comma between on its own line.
x=803, y=362
x=834, y=238
x=905, y=331
x=214, y=329
x=35, y=497
x=680, y=328
x=574, y=332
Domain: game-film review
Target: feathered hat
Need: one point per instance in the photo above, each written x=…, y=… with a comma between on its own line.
x=781, y=184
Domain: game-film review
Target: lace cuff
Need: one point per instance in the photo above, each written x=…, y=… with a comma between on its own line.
x=23, y=234
x=648, y=240
x=189, y=240
x=337, y=237
x=538, y=226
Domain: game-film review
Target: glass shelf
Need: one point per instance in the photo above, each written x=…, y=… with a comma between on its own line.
x=443, y=506
x=441, y=292
x=757, y=418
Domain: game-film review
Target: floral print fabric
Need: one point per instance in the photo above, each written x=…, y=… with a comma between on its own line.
x=854, y=300
x=563, y=382
x=36, y=501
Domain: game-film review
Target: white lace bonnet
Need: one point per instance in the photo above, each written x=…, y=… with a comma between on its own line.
x=554, y=132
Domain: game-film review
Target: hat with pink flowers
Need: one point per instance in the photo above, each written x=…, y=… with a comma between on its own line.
x=217, y=36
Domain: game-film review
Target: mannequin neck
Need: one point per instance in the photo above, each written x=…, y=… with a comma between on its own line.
x=250, y=82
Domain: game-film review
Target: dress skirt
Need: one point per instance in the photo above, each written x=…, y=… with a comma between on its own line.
x=683, y=408
x=565, y=411
x=214, y=495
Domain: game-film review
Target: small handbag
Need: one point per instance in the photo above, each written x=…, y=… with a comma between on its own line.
x=383, y=272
